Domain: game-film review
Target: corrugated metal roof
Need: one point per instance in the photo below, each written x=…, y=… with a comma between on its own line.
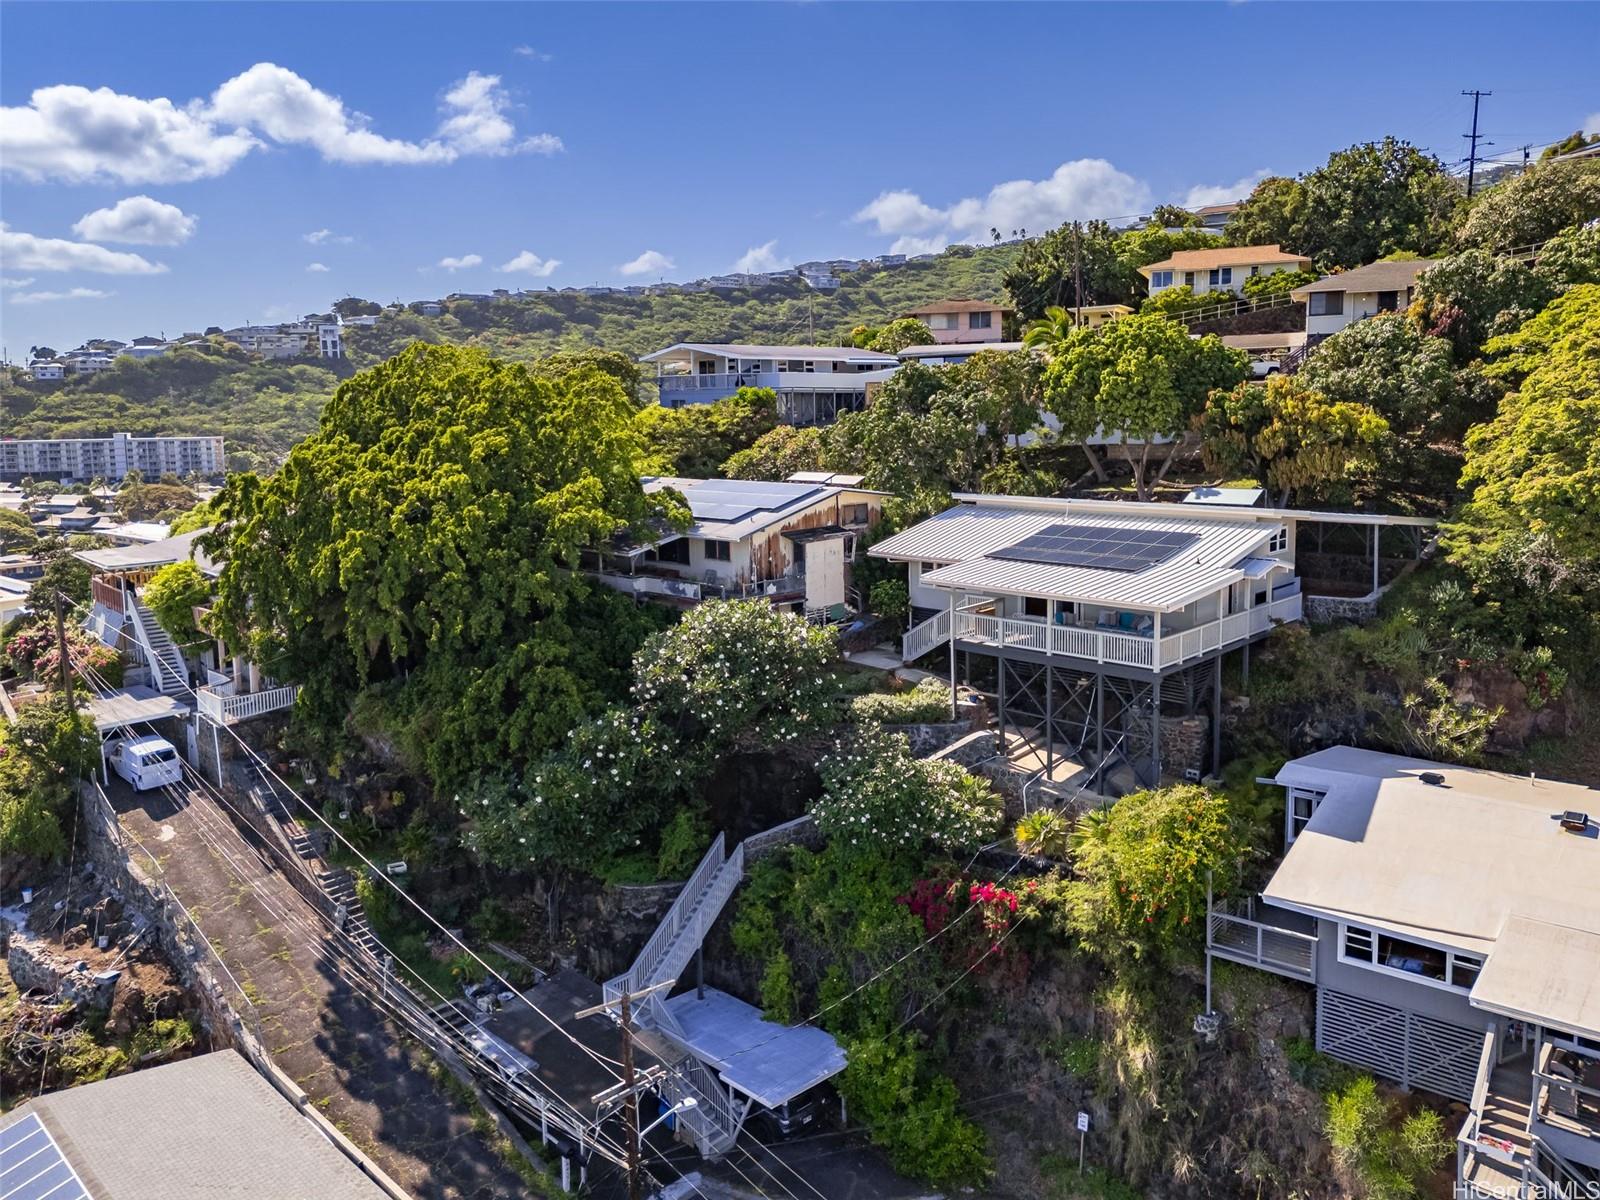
x=1374, y=277
x=963, y=537
x=814, y=353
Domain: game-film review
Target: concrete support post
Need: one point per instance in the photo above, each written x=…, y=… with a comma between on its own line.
x=952, y=610
x=1216, y=716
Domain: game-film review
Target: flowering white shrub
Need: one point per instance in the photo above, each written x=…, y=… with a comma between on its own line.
x=876, y=796
x=734, y=666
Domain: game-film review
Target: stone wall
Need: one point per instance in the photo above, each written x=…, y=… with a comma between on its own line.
x=1325, y=609
x=1185, y=744
x=928, y=739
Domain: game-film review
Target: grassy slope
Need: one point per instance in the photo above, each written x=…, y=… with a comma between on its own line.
x=262, y=409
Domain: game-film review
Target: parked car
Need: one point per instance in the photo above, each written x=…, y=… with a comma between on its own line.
x=146, y=762
x=806, y=1113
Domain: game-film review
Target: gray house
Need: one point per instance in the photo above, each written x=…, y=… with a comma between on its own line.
x=1449, y=919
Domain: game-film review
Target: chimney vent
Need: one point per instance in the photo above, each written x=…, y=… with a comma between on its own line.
x=1574, y=822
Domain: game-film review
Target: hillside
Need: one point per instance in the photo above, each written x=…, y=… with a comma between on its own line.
x=786, y=313
x=263, y=408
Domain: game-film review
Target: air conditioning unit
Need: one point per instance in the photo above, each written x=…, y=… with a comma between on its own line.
x=1191, y=776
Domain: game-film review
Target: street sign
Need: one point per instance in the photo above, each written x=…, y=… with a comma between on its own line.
x=1083, y=1122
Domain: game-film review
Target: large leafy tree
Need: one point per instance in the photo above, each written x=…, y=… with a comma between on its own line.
x=1046, y=272
x=898, y=334
x=1535, y=468
x=1294, y=440
x=427, y=532
x=1136, y=378
x=1363, y=203
x=695, y=440
x=1535, y=205
x=779, y=453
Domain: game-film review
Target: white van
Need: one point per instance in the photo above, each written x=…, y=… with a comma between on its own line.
x=146, y=762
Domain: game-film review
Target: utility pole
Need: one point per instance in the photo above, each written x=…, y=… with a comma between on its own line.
x=630, y=1082
x=61, y=649
x=1472, y=152
x=1077, y=274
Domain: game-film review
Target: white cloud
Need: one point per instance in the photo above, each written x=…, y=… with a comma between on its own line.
x=317, y=268
x=139, y=221
x=70, y=133
x=1591, y=123
x=9, y=283
x=478, y=122
x=30, y=253
x=1204, y=193
x=318, y=236
x=77, y=293
x=902, y=212
x=651, y=262
x=759, y=259
x=919, y=245
x=461, y=263
x=530, y=263
x=1082, y=189
x=530, y=52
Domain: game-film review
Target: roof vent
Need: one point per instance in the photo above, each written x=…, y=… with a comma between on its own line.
x=1574, y=822
x=1432, y=778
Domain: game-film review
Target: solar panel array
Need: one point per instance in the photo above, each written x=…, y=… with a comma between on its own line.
x=32, y=1166
x=1102, y=547
x=736, y=499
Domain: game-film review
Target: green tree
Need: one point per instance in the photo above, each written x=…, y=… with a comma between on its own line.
x=1535, y=468
x=1137, y=378
x=1525, y=209
x=1143, y=867
x=898, y=334
x=779, y=453
x=695, y=440
x=427, y=533
x=63, y=576
x=16, y=531
x=173, y=593
x=1277, y=283
x=1270, y=215
x=1371, y=200
x=1293, y=439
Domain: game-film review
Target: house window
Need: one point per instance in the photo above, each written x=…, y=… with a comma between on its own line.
x=1188, y=278
x=1402, y=956
x=924, y=568
x=853, y=514
x=1279, y=541
x=1035, y=606
x=1222, y=277
x=675, y=551
x=1302, y=804
x=1254, y=271
x=1160, y=279
x=1326, y=304
x=978, y=320
x=944, y=321
x=717, y=550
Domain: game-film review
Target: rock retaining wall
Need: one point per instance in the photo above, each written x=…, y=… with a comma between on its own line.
x=1325, y=609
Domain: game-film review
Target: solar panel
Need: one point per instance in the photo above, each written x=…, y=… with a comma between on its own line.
x=1100, y=547
x=32, y=1166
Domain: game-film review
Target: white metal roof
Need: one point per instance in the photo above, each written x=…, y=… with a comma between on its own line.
x=770, y=1062
x=1158, y=508
x=1544, y=972
x=963, y=349
x=731, y=509
x=962, y=537
x=847, y=354
x=1237, y=497
x=142, y=555
x=1446, y=864
x=132, y=705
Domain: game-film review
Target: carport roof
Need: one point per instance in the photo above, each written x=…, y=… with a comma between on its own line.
x=772, y=1063
x=133, y=705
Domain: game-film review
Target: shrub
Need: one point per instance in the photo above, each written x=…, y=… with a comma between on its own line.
x=890, y=599
x=683, y=842
x=1389, y=1161
x=1043, y=832
x=777, y=989
x=927, y=702
x=878, y=797
x=173, y=593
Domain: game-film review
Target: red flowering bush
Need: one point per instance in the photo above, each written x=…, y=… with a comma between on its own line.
x=35, y=655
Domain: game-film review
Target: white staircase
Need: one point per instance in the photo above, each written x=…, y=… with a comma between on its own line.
x=715, y=1120
x=919, y=639
x=160, y=651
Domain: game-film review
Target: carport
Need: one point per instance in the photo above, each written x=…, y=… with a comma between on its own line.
x=115, y=711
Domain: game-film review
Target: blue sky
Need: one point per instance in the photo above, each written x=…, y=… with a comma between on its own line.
x=167, y=167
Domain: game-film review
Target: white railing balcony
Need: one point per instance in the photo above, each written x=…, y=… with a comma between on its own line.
x=697, y=590
x=226, y=709
x=704, y=388
x=1258, y=943
x=1107, y=645
x=921, y=638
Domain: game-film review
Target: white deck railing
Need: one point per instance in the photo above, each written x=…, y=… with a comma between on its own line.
x=1106, y=645
x=921, y=638
x=225, y=709
x=1262, y=944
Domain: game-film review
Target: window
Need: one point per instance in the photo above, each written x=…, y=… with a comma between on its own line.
x=1302, y=804
x=979, y=320
x=1279, y=541
x=853, y=514
x=1326, y=304
x=716, y=550
x=1035, y=606
x=944, y=321
x=1188, y=278
x=1254, y=271
x=675, y=551
x=1160, y=279
x=1431, y=964
x=924, y=568
x=1222, y=277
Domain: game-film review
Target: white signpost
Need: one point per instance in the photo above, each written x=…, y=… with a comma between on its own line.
x=1083, y=1134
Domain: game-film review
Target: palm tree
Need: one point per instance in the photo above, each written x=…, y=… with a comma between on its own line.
x=1051, y=331
x=1044, y=833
